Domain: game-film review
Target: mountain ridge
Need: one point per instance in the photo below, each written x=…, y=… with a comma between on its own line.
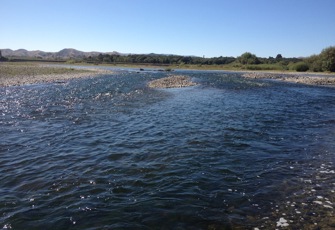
x=66, y=53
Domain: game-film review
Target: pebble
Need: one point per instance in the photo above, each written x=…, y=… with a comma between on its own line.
x=282, y=222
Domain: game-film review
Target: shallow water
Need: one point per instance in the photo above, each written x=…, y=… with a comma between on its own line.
x=109, y=152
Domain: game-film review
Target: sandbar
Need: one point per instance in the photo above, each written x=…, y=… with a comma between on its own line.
x=15, y=74
x=174, y=81
x=306, y=78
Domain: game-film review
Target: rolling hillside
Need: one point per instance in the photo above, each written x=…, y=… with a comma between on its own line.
x=62, y=54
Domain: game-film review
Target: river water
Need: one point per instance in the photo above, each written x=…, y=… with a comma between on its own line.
x=110, y=153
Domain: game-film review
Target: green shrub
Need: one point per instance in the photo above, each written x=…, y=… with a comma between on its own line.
x=316, y=66
x=248, y=58
x=325, y=61
x=301, y=67
x=266, y=67
x=314, y=63
x=328, y=59
x=71, y=61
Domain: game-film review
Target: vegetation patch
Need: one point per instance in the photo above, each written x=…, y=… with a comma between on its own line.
x=301, y=67
x=323, y=62
x=32, y=73
x=31, y=69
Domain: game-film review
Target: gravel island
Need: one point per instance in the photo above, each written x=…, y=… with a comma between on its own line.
x=13, y=74
x=311, y=79
x=175, y=81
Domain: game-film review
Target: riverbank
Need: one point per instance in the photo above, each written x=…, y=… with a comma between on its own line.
x=308, y=79
x=13, y=74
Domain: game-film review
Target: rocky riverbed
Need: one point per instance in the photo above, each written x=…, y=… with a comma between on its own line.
x=294, y=78
x=12, y=74
x=174, y=81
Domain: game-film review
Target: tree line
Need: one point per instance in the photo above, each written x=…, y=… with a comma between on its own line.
x=323, y=62
x=158, y=59
x=245, y=59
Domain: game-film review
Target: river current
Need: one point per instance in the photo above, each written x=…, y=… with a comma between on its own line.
x=110, y=153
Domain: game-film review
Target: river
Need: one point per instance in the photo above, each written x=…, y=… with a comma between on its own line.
x=111, y=153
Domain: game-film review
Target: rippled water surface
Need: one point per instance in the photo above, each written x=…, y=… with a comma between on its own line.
x=111, y=153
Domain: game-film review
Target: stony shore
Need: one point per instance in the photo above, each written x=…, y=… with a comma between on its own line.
x=174, y=81
x=294, y=78
x=13, y=74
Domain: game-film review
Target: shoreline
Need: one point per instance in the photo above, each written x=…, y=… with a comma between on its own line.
x=26, y=74
x=299, y=78
x=16, y=74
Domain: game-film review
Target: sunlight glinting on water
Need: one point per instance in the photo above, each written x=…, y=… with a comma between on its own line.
x=111, y=152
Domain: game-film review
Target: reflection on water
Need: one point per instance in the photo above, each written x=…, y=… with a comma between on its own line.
x=109, y=152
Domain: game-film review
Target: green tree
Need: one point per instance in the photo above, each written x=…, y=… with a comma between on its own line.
x=279, y=57
x=186, y=60
x=248, y=58
x=271, y=60
x=315, y=63
x=327, y=57
x=107, y=59
x=100, y=57
x=2, y=58
x=325, y=61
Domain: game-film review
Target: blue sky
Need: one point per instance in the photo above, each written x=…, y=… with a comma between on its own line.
x=293, y=28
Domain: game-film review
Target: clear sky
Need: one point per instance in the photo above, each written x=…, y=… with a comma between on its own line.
x=293, y=28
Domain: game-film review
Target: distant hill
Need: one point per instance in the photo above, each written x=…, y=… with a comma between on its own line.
x=62, y=54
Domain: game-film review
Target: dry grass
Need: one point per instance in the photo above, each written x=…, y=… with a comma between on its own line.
x=31, y=73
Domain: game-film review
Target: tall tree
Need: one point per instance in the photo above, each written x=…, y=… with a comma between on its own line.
x=248, y=58
x=328, y=59
x=279, y=57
